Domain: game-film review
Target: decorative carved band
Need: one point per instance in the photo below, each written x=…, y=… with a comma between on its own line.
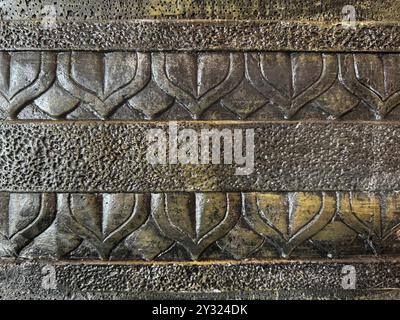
x=298, y=25
x=329, y=11
x=206, y=85
x=376, y=278
x=184, y=226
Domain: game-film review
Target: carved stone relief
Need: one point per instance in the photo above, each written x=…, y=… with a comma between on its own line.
x=206, y=86
x=80, y=92
x=198, y=226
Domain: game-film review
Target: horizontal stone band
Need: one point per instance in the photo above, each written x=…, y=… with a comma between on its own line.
x=267, y=86
x=190, y=35
x=200, y=25
x=375, y=279
x=328, y=10
x=198, y=226
x=113, y=157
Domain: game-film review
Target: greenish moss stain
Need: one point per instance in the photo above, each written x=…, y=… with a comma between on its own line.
x=268, y=9
x=280, y=10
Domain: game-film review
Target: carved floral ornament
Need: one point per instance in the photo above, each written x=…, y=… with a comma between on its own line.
x=76, y=84
x=205, y=85
x=198, y=225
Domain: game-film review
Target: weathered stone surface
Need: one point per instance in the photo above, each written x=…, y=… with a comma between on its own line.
x=375, y=279
x=328, y=10
x=321, y=96
x=193, y=25
x=200, y=35
x=112, y=157
x=205, y=86
x=199, y=226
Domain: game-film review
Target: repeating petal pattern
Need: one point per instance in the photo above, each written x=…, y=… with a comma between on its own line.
x=195, y=226
x=105, y=220
x=287, y=220
x=201, y=85
x=291, y=80
x=375, y=217
x=103, y=80
x=198, y=80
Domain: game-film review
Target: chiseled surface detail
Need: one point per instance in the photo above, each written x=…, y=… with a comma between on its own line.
x=83, y=83
x=47, y=156
x=300, y=25
x=377, y=278
x=199, y=226
x=328, y=10
x=189, y=35
x=306, y=25
x=206, y=86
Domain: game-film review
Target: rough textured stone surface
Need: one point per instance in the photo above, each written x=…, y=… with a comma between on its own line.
x=111, y=157
x=272, y=280
x=200, y=35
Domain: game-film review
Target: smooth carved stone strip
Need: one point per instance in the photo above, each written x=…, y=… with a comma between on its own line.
x=147, y=35
x=199, y=85
x=113, y=157
x=199, y=226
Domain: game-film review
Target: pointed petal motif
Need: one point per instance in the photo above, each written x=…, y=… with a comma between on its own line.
x=291, y=80
x=23, y=77
x=373, y=216
x=241, y=241
x=105, y=220
x=151, y=101
x=103, y=80
x=56, y=102
x=196, y=221
x=19, y=70
x=373, y=78
x=57, y=241
x=288, y=220
x=198, y=80
x=148, y=241
x=336, y=101
x=22, y=218
x=244, y=100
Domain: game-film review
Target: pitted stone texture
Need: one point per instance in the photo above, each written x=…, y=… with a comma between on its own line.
x=145, y=35
x=111, y=157
x=328, y=10
x=199, y=85
x=301, y=280
x=198, y=25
